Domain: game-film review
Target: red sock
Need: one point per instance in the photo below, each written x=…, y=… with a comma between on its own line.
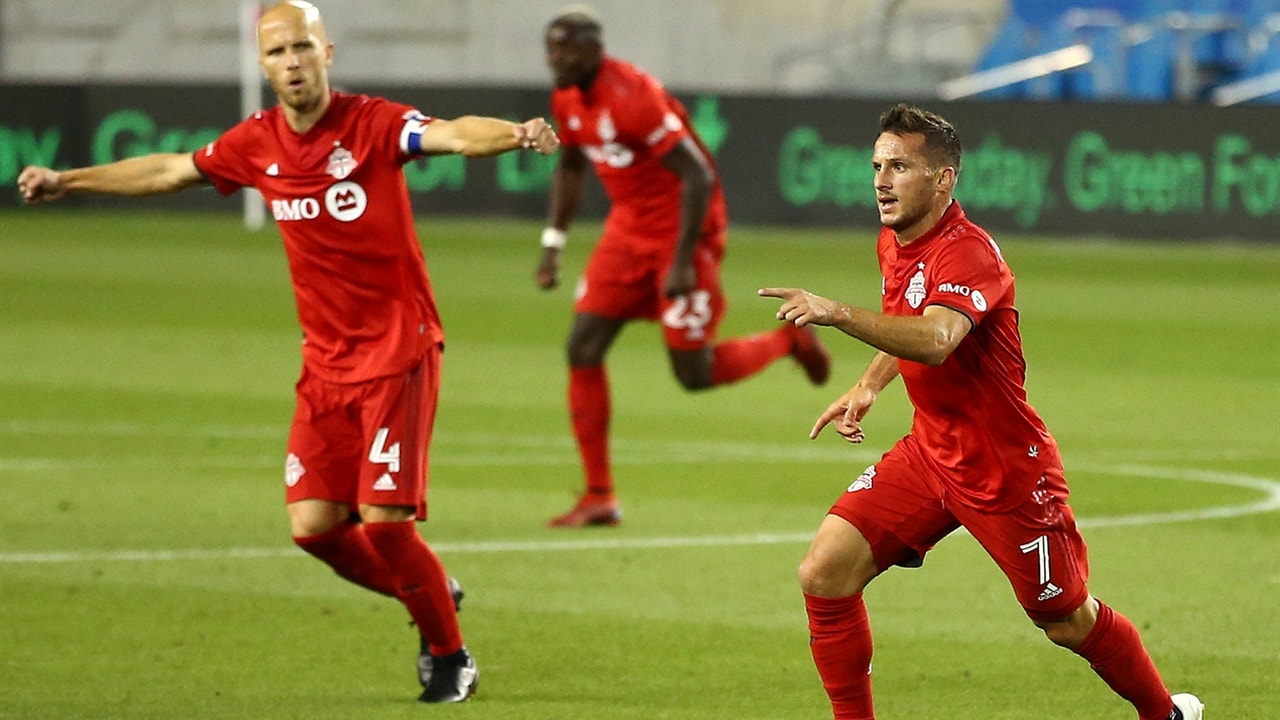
x=423, y=584
x=348, y=551
x=840, y=641
x=1115, y=652
x=589, y=412
x=733, y=360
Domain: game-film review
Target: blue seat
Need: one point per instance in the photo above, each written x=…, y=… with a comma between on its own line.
x=1103, y=30
x=1154, y=50
x=1012, y=42
x=1034, y=27
x=1262, y=18
x=1029, y=29
x=1182, y=48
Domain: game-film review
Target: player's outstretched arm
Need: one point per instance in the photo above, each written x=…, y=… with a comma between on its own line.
x=802, y=307
x=147, y=175
x=476, y=136
x=928, y=338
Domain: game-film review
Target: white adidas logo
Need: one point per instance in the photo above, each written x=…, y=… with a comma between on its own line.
x=273, y=169
x=385, y=483
x=1050, y=590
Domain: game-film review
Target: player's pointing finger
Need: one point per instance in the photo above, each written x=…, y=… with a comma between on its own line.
x=775, y=292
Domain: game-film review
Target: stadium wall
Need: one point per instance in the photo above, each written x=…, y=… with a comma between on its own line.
x=1131, y=170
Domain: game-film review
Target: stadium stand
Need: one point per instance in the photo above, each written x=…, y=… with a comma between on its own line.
x=845, y=47
x=1189, y=51
x=1259, y=76
x=1144, y=50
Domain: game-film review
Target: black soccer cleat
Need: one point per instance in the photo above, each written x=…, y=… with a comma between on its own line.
x=454, y=678
x=424, y=654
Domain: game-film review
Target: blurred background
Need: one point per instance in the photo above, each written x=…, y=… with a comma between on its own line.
x=1121, y=119
x=1151, y=50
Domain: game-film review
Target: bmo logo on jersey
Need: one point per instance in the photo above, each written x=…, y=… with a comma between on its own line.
x=344, y=201
x=979, y=300
x=295, y=209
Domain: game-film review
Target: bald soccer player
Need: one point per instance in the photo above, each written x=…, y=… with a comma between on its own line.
x=329, y=165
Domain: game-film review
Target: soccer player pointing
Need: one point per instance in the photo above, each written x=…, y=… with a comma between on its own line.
x=329, y=165
x=977, y=456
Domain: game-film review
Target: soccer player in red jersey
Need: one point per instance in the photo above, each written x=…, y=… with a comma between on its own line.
x=660, y=253
x=977, y=456
x=329, y=166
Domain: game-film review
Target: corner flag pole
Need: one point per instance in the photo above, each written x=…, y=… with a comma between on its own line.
x=250, y=97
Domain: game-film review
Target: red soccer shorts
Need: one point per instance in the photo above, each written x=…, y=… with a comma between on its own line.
x=903, y=511
x=364, y=443
x=626, y=284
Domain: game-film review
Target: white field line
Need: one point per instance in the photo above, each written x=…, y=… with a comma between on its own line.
x=1268, y=503
x=525, y=451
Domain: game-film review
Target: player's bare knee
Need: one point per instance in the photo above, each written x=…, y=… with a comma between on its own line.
x=315, y=517
x=810, y=576
x=1071, y=631
x=584, y=354
x=824, y=579
x=692, y=368
x=1059, y=633
x=693, y=379
x=309, y=527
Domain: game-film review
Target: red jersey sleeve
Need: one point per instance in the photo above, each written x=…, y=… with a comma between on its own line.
x=647, y=117
x=395, y=128
x=970, y=277
x=225, y=161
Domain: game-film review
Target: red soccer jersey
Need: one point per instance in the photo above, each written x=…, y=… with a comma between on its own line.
x=972, y=420
x=338, y=195
x=625, y=123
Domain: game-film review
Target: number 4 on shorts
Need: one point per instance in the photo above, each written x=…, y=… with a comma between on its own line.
x=380, y=453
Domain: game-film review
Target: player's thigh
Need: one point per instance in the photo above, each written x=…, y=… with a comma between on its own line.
x=1039, y=548
x=618, y=283
x=897, y=509
x=690, y=321
x=398, y=417
x=326, y=444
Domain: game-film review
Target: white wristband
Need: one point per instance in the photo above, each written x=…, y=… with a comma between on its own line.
x=553, y=238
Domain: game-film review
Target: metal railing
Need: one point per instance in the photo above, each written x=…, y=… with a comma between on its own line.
x=1012, y=73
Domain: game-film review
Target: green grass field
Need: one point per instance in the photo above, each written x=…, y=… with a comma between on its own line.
x=146, y=370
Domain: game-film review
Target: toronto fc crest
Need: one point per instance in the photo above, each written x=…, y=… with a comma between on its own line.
x=341, y=162
x=864, y=480
x=915, y=290
x=605, y=128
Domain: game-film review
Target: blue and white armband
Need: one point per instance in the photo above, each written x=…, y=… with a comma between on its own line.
x=411, y=136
